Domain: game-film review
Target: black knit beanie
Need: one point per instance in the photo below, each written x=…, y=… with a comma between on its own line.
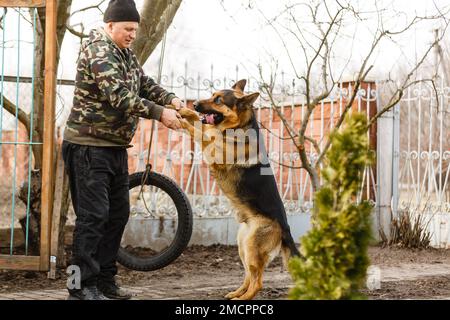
x=121, y=10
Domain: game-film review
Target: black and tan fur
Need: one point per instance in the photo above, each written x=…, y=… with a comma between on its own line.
x=264, y=230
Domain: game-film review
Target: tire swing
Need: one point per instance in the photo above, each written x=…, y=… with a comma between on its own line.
x=158, y=197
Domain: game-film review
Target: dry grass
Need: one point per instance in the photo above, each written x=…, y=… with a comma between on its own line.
x=408, y=230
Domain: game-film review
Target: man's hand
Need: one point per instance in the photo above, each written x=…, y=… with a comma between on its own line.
x=177, y=103
x=170, y=118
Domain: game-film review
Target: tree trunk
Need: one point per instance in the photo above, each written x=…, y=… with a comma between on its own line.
x=307, y=165
x=38, y=90
x=32, y=223
x=156, y=17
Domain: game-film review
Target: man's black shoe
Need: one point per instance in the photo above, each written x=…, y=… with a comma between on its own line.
x=86, y=293
x=112, y=291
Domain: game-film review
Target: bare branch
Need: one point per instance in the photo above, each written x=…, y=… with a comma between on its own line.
x=397, y=96
x=326, y=54
x=156, y=17
x=21, y=115
x=399, y=92
x=306, y=163
x=71, y=28
x=63, y=18
x=274, y=134
x=97, y=6
x=344, y=112
x=286, y=165
x=5, y=11
x=20, y=12
x=326, y=92
x=314, y=143
x=77, y=33
x=290, y=130
x=283, y=42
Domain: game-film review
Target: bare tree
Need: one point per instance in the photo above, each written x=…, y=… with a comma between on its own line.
x=316, y=32
x=156, y=17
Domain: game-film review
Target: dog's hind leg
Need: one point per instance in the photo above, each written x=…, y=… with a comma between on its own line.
x=261, y=246
x=242, y=233
x=255, y=275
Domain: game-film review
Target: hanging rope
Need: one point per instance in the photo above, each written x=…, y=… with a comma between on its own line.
x=158, y=80
x=148, y=166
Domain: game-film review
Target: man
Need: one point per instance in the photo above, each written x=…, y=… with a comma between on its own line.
x=111, y=92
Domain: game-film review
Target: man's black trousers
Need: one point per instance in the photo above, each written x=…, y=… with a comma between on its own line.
x=98, y=179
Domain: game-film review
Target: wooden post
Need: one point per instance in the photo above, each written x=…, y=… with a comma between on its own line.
x=22, y=3
x=59, y=217
x=49, y=132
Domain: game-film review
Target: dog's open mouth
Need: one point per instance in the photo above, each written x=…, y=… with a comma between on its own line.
x=212, y=118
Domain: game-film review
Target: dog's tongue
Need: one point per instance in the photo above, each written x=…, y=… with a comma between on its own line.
x=209, y=118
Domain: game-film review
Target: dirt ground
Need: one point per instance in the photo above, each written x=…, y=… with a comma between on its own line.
x=211, y=272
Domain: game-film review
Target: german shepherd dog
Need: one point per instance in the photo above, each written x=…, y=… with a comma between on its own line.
x=264, y=230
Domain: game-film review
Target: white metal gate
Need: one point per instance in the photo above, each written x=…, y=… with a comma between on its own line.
x=421, y=164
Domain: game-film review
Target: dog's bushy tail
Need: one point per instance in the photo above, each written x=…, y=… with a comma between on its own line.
x=289, y=249
x=288, y=242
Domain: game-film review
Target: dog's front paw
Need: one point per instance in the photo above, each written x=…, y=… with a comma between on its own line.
x=189, y=114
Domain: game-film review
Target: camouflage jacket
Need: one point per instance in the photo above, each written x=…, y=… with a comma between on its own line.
x=111, y=93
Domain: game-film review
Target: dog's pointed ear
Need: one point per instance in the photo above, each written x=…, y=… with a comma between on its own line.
x=240, y=85
x=248, y=99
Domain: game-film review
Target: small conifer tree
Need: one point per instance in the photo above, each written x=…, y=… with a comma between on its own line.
x=335, y=260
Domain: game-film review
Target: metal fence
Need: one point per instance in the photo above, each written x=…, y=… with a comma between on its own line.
x=423, y=158
x=176, y=155
x=421, y=152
